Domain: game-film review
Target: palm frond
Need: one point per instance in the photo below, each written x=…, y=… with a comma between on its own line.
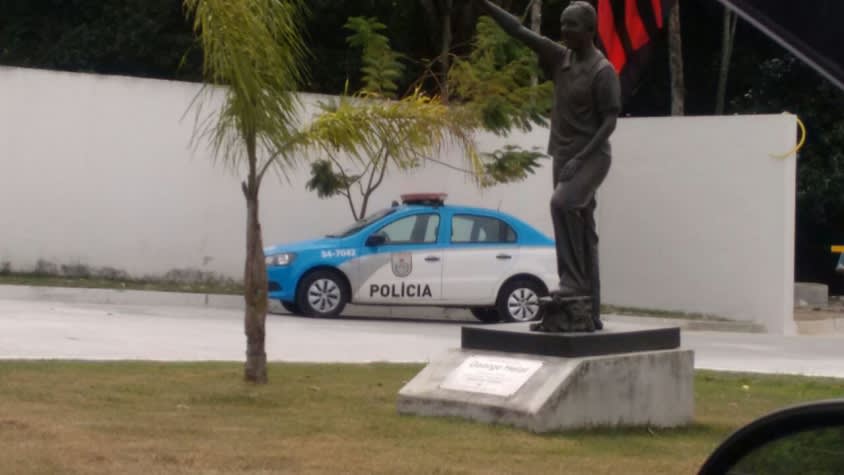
x=255, y=50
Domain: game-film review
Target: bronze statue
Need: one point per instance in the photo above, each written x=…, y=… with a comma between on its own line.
x=587, y=102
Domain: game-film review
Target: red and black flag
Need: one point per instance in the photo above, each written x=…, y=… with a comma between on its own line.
x=627, y=30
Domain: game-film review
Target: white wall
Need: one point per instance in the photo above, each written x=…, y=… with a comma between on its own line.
x=695, y=215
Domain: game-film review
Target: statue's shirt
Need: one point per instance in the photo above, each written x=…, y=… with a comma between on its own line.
x=584, y=93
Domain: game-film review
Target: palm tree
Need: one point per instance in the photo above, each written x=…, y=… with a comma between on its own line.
x=675, y=58
x=255, y=50
x=727, y=40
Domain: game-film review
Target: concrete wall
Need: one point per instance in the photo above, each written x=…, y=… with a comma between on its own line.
x=695, y=215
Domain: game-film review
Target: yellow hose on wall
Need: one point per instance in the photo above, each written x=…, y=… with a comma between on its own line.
x=799, y=144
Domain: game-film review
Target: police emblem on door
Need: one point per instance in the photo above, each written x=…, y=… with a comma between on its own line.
x=402, y=264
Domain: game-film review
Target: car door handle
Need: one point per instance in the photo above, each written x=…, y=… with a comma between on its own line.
x=503, y=256
x=432, y=259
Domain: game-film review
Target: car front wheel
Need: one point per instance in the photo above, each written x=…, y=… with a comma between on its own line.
x=518, y=300
x=322, y=294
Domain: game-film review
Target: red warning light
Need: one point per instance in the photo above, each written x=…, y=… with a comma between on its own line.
x=424, y=198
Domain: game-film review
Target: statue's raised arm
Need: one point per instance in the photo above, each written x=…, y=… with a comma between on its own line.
x=544, y=47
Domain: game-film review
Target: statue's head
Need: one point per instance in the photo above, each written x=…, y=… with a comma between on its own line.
x=578, y=25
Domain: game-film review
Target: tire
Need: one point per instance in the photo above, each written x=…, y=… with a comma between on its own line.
x=291, y=307
x=486, y=315
x=322, y=293
x=518, y=300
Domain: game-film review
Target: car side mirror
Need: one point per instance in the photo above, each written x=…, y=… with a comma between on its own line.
x=808, y=438
x=376, y=240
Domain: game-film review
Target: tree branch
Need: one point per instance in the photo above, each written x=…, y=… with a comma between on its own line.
x=348, y=196
x=383, y=170
x=346, y=182
x=266, y=167
x=371, y=187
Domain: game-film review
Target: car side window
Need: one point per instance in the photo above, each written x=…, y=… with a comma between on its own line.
x=480, y=229
x=416, y=229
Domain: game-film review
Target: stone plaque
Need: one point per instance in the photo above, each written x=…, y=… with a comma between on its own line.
x=491, y=375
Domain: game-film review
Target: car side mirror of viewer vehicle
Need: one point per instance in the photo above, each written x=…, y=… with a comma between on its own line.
x=807, y=439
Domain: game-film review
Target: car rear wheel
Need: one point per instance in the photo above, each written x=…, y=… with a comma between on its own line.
x=486, y=315
x=518, y=300
x=322, y=294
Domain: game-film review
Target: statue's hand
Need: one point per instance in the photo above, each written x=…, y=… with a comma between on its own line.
x=569, y=169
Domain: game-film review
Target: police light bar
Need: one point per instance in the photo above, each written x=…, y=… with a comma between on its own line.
x=424, y=198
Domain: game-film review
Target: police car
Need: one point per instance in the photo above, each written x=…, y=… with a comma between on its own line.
x=419, y=252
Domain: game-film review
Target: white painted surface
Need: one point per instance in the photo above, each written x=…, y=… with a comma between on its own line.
x=695, y=215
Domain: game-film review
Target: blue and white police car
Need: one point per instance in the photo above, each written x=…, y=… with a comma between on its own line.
x=419, y=252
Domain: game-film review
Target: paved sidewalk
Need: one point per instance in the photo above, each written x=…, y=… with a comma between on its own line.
x=59, y=330
x=235, y=302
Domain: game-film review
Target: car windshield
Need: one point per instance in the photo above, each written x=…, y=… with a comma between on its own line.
x=360, y=224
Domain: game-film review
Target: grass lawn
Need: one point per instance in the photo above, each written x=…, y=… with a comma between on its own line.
x=145, y=418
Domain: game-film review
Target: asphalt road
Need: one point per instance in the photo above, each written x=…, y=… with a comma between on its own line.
x=66, y=330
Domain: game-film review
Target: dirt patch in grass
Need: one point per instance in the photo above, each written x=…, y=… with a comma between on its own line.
x=141, y=418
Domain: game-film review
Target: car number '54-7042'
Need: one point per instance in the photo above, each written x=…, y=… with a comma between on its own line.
x=338, y=253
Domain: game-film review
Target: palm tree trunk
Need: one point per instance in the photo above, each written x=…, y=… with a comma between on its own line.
x=675, y=55
x=445, y=60
x=727, y=40
x=254, y=278
x=536, y=26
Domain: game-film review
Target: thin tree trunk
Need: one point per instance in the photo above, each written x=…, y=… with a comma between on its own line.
x=727, y=40
x=254, y=278
x=445, y=60
x=675, y=54
x=536, y=26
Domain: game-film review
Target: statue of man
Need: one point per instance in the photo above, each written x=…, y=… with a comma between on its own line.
x=587, y=102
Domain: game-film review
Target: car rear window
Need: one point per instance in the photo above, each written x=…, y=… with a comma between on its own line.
x=467, y=228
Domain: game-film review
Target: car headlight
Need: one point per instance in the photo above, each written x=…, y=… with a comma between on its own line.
x=282, y=259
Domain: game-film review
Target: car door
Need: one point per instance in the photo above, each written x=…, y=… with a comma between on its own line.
x=481, y=252
x=407, y=267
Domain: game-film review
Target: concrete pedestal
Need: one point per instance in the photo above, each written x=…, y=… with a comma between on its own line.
x=544, y=393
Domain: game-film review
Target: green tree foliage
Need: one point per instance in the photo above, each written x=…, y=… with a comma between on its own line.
x=781, y=84
x=135, y=37
x=511, y=164
x=382, y=67
x=381, y=133
x=495, y=81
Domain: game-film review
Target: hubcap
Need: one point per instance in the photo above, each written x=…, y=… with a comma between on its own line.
x=523, y=304
x=324, y=295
